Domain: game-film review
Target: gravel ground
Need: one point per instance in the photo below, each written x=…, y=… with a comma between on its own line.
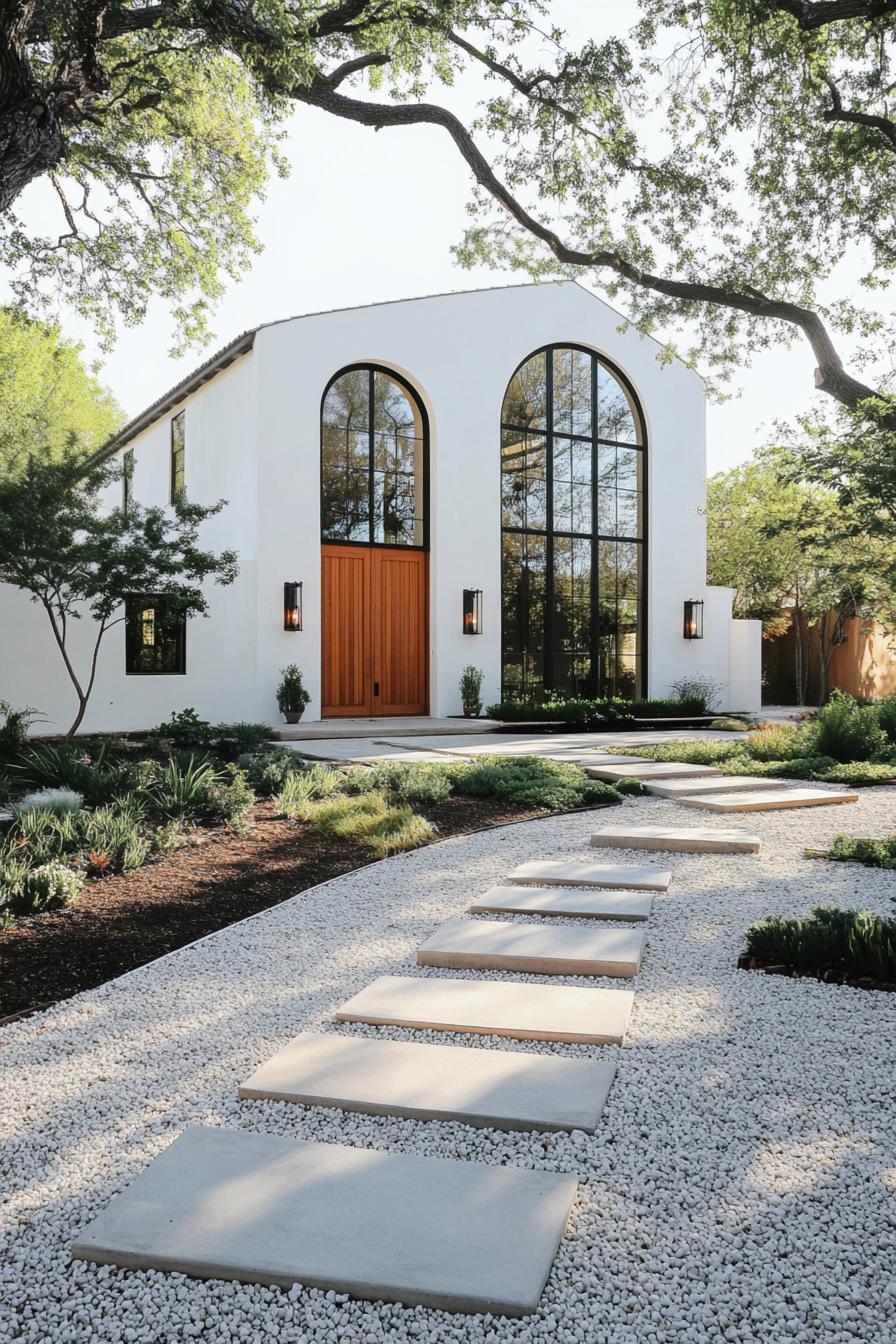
x=741, y=1186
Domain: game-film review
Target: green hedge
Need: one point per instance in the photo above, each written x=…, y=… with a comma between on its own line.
x=592, y=713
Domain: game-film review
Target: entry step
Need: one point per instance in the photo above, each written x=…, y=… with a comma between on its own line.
x=578, y=902
x=501, y=1089
x=559, y=873
x=677, y=839
x=535, y=949
x=652, y=770
x=763, y=801
x=258, y=1208
x=494, y=1008
x=679, y=788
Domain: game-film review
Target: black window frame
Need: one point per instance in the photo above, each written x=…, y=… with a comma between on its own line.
x=414, y=397
x=175, y=452
x=135, y=604
x=127, y=481
x=548, y=653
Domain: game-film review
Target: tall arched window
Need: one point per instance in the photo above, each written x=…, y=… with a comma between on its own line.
x=373, y=460
x=572, y=569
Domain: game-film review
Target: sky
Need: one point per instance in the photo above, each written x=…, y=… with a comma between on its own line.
x=371, y=216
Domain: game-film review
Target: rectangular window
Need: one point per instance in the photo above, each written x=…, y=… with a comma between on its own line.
x=155, y=637
x=178, y=457
x=127, y=481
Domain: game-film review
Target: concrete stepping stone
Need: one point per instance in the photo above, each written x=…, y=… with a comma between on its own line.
x=677, y=839
x=532, y=949
x=772, y=801
x=559, y=873
x=523, y=1012
x=581, y=902
x=501, y=1089
x=258, y=1208
x=651, y=770
x=679, y=788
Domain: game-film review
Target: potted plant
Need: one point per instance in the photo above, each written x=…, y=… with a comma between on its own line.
x=291, y=694
x=471, y=680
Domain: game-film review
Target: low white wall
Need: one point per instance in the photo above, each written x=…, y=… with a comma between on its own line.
x=745, y=663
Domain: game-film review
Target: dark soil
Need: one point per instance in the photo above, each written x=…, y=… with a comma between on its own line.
x=830, y=975
x=122, y=922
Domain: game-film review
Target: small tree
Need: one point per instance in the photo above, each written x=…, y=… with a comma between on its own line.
x=73, y=558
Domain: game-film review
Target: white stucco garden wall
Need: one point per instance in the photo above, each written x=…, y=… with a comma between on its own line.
x=253, y=437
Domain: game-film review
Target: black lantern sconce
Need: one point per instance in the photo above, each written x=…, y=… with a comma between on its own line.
x=292, y=606
x=472, y=611
x=693, y=618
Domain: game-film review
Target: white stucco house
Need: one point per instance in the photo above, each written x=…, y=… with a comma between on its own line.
x=503, y=477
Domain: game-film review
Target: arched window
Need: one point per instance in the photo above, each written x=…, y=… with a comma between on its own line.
x=572, y=569
x=373, y=460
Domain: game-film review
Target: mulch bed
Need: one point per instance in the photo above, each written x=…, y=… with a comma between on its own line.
x=829, y=975
x=122, y=922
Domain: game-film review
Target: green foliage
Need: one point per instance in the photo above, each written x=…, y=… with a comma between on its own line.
x=405, y=783
x=317, y=781
x=861, y=772
x=698, y=689
x=673, y=707
x=59, y=546
x=530, y=781
x=15, y=724
x=58, y=801
x=584, y=712
x=849, y=731
x=42, y=888
x=291, y=694
x=114, y=838
x=730, y=726
x=181, y=789
x=185, y=729
x=782, y=742
x=231, y=799
x=471, y=680
x=630, y=787
x=49, y=401
x=872, y=853
x=268, y=771
x=853, y=942
x=886, y=717
x=98, y=777
x=40, y=837
x=699, y=751
x=371, y=818
x=231, y=740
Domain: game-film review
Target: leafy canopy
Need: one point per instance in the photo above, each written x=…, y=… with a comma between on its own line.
x=47, y=396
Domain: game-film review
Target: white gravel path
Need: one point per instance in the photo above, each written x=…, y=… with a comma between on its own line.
x=742, y=1186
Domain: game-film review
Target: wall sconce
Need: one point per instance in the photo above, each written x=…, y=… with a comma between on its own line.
x=693, y=618
x=472, y=611
x=292, y=606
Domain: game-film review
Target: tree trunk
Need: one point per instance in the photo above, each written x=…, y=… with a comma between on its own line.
x=824, y=657
x=31, y=140
x=797, y=653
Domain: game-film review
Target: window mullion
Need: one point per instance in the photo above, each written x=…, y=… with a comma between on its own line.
x=548, y=667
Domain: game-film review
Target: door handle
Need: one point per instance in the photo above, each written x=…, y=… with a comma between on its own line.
x=376, y=688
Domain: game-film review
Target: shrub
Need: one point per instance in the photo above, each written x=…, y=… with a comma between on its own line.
x=872, y=853
x=14, y=725
x=700, y=690
x=114, y=838
x=690, y=706
x=268, y=771
x=405, y=783
x=530, y=781
x=401, y=829
x=48, y=885
x=58, y=801
x=369, y=817
x=92, y=774
x=886, y=717
x=589, y=713
x=702, y=751
x=849, y=731
x=801, y=767
x=783, y=742
x=854, y=942
x=291, y=694
x=319, y=781
x=185, y=729
x=231, y=799
x=43, y=836
x=629, y=787
x=730, y=726
x=860, y=772
x=182, y=788
x=471, y=680
x=232, y=739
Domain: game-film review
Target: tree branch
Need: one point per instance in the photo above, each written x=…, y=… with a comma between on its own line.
x=814, y=14
x=837, y=112
x=830, y=375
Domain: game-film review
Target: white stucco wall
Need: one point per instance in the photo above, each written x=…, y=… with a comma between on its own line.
x=253, y=436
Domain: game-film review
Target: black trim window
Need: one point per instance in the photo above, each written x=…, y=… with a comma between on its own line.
x=572, y=515
x=155, y=636
x=127, y=481
x=373, y=460
x=178, y=456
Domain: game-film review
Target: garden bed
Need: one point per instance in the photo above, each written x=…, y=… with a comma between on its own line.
x=215, y=879
x=830, y=975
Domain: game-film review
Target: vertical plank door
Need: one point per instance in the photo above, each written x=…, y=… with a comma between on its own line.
x=345, y=635
x=399, y=631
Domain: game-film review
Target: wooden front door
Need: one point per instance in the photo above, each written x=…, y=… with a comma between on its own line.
x=374, y=633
